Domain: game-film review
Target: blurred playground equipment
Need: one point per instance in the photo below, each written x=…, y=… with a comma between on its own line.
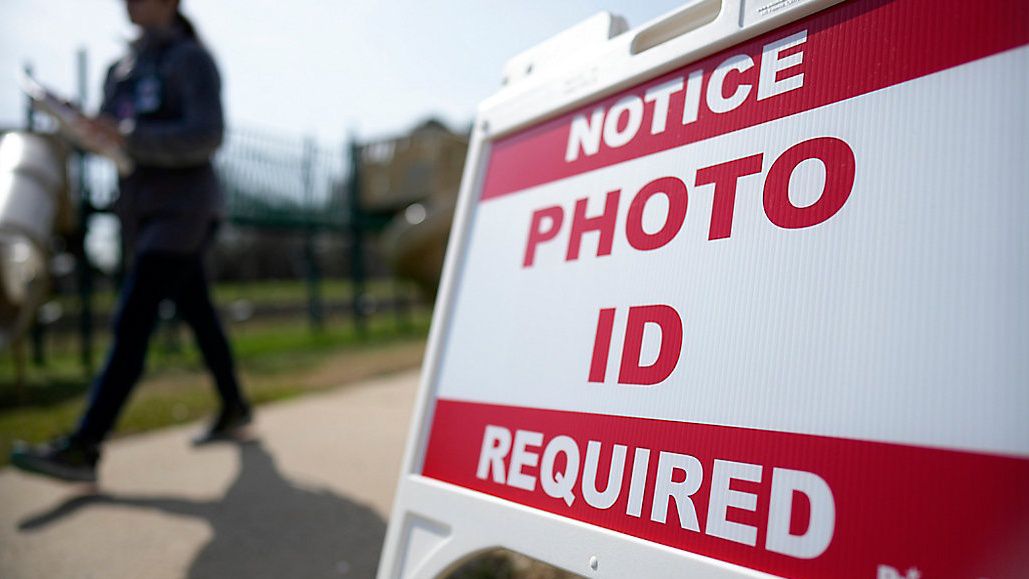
x=33, y=202
x=415, y=178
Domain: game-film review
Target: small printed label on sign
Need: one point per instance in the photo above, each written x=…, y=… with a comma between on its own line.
x=754, y=10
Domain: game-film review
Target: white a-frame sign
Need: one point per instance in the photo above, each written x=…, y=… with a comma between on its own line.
x=741, y=291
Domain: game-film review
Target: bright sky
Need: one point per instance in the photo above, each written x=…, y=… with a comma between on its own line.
x=318, y=67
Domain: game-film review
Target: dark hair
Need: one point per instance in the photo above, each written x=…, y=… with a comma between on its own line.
x=186, y=26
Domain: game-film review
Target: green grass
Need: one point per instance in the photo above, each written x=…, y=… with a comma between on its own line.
x=276, y=360
x=264, y=292
x=296, y=290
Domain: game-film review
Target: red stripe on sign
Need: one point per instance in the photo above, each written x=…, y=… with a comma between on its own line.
x=788, y=504
x=848, y=50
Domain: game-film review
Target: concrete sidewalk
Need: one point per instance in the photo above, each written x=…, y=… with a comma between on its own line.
x=308, y=498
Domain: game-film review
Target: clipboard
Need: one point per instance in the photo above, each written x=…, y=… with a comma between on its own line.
x=70, y=121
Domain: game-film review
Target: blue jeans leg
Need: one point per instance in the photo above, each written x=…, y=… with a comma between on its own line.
x=155, y=277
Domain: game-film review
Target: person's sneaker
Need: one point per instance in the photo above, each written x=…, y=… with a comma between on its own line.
x=228, y=426
x=65, y=458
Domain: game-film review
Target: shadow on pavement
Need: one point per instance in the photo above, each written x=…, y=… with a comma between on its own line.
x=264, y=526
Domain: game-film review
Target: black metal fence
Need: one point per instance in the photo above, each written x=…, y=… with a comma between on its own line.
x=275, y=184
x=284, y=182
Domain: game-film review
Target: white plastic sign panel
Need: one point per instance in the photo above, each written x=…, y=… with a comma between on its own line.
x=760, y=311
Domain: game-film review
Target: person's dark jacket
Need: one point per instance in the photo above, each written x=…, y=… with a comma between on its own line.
x=166, y=95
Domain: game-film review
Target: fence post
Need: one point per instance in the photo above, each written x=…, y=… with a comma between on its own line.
x=37, y=330
x=356, y=225
x=401, y=305
x=30, y=110
x=315, y=311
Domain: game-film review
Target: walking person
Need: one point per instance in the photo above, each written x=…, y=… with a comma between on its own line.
x=162, y=106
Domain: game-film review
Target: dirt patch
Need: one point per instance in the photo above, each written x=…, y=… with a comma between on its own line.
x=333, y=370
x=355, y=366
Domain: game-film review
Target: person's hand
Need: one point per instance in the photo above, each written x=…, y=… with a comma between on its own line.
x=100, y=133
x=106, y=129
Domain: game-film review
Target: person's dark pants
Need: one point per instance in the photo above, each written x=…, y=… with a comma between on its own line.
x=155, y=277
